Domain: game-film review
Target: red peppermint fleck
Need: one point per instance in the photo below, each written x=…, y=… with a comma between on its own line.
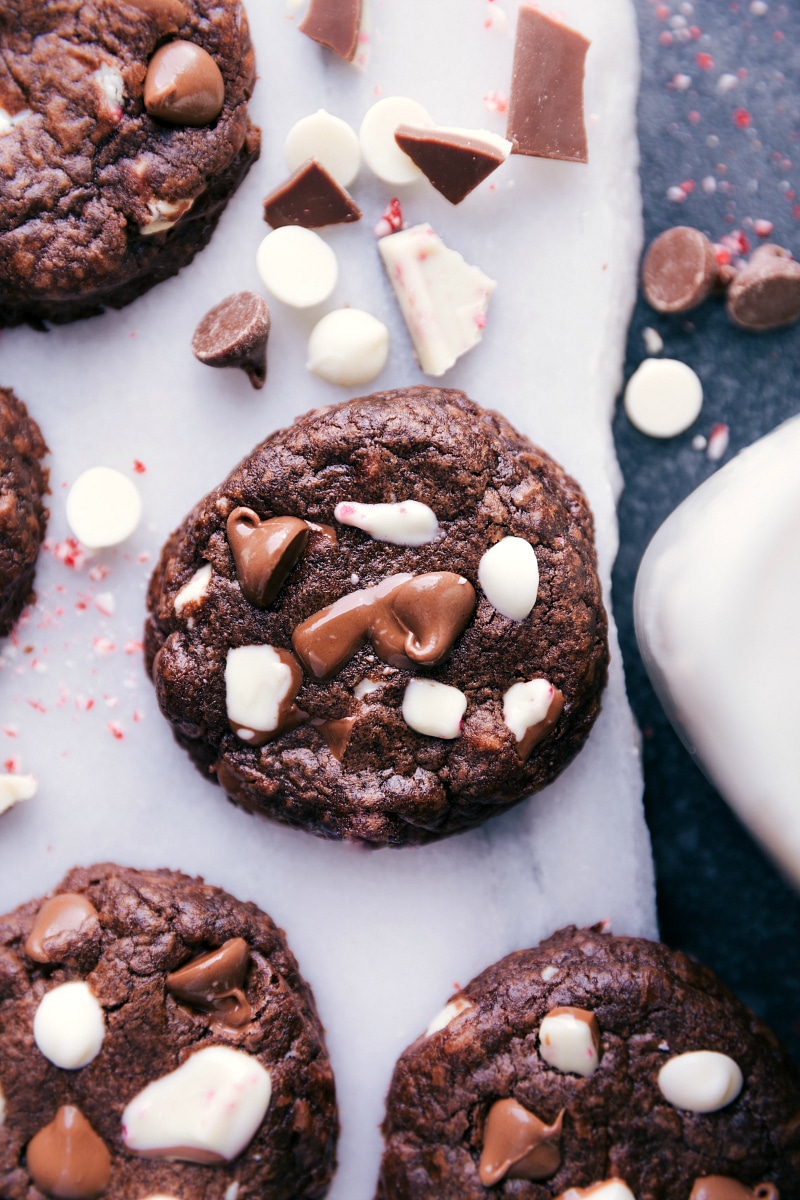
x=496, y=101
x=139, y=467
x=84, y=703
x=115, y=729
x=11, y=731
x=70, y=552
x=103, y=646
x=742, y=118
x=37, y=706
x=137, y=716
x=105, y=603
x=796, y=212
x=704, y=61
x=718, y=441
x=695, y=32
x=737, y=242
x=99, y=573
x=13, y=765
x=132, y=647
x=694, y=117
x=665, y=38
x=688, y=186
x=762, y=228
x=662, y=12
x=391, y=220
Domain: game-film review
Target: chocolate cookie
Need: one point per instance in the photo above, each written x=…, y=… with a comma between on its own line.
x=385, y=624
x=23, y=517
x=593, y=1060
x=123, y=133
x=157, y=1041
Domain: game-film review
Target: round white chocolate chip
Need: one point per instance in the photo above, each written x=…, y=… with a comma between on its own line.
x=103, y=507
x=210, y=1107
x=509, y=575
x=406, y=523
x=663, y=397
x=330, y=141
x=256, y=684
x=526, y=704
x=701, y=1081
x=194, y=590
x=567, y=1042
x=449, y=1013
x=434, y=709
x=14, y=788
x=296, y=266
x=381, y=152
x=69, y=1026
x=348, y=347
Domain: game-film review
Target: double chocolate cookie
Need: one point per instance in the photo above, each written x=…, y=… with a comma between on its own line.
x=386, y=624
x=157, y=1040
x=23, y=516
x=593, y=1066
x=123, y=133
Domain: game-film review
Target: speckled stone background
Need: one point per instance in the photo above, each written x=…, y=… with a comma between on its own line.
x=720, y=145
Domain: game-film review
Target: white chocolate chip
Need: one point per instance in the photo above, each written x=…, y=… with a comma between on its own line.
x=211, y=1105
x=653, y=341
x=9, y=123
x=112, y=85
x=364, y=687
x=449, y=1013
x=348, y=347
x=406, y=523
x=330, y=141
x=509, y=575
x=442, y=298
x=194, y=590
x=663, y=397
x=232, y=1191
x=14, y=788
x=296, y=266
x=256, y=684
x=526, y=704
x=103, y=507
x=566, y=1043
x=69, y=1026
x=701, y=1081
x=549, y=973
x=381, y=152
x=163, y=215
x=434, y=709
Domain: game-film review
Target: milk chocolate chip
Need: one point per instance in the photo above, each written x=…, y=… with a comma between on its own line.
x=679, y=271
x=234, y=334
x=214, y=983
x=310, y=197
x=766, y=293
x=56, y=924
x=183, y=85
x=67, y=1159
x=518, y=1145
x=719, y=1187
x=264, y=552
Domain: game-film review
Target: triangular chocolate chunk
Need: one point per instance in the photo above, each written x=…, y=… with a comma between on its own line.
x=454, y=160
x=311, y=198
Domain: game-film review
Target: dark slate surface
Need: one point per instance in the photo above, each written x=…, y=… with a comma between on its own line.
x=719, y=114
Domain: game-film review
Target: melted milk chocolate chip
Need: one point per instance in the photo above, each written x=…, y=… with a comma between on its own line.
x=214, y=982
x=57, y=919
x=183, y=85
x=518, y=1145
x=264, y=552
x=719, y=1187
x=67, y=1159
x=234, y=334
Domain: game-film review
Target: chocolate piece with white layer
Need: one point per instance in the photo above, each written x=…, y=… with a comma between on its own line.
x=234, y=333
x=766, y=293
x=454, y=160
x=545, y=108
x=310, y=197
x=679, y=271
x=335, y=24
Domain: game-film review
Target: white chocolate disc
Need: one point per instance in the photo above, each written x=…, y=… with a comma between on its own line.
x=449, y=1013
x=566, y=1043
x=194, y=590
x=663, y=397
x=296, y=266
x=405, y=523
x=348, y=347
x=256, y=684
x=526, y=704
x=381, y=152
x=434, y=709
x=330, y=141
x=14, y=788
x=509, y=575
x=69, y=1026
x=701, y=1081
x=103, y=507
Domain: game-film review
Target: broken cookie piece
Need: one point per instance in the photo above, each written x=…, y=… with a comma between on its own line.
x=454, y=160
x=545, y=110
x=310, y=197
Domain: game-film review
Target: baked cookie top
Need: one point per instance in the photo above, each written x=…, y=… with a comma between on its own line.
x=386, y=623
x=157, y=1040
x=23, y=516
x=593, y=1060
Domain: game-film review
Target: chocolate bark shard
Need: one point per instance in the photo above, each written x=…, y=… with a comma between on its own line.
x=545, y=110
x=311, y=198
x=454, y=160
x=335, y=24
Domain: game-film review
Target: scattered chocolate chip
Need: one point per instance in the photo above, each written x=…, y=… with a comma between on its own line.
x=518, y=1145
x=234, y=334
x=214, y=983
x=67, y=1158
x=264, y=552
x=545, y=108
x=454, y=161
x=766, y=293
x=183, y=85
x=335, y=24
x=310, y=197
x=679, y=271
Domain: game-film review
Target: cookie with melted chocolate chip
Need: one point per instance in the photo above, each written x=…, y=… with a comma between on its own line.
x=23, y=516
x=477, y=1109
x=201, y=1009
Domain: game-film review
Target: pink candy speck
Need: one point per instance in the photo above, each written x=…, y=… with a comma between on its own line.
x=495, y=101
x=115, y=729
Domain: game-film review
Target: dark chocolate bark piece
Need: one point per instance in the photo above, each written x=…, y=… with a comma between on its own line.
x=454, y=162
x=310, y=197
x=545, y=108
x=23, y=516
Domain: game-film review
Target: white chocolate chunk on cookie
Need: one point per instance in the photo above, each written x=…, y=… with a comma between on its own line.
x=701, y=1081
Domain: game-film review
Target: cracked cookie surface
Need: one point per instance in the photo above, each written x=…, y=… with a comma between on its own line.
x=23, y=516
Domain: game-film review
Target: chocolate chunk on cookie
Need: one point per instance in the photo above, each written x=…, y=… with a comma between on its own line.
x=157, y=1040
x=386, y=624
x=123, y=133
x=593, y=1066
x=23, y=516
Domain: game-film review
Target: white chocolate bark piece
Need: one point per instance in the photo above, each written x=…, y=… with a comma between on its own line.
x=442, y=298
x=14, y=788
x=449, y=1013
x=663, y=397
x=432, y=708
x=716, y=613
x=381, y=152
x=509, y=575
x=568, y=1041
x=348, y=347
x=195, y=590
x=526, y=704
x=257, y=683
x=296, y=266
x=702, y=1081
x=330, y=141
x=69, y=1026
x=103, y=507
x=206, y=1111
x=405, y=523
